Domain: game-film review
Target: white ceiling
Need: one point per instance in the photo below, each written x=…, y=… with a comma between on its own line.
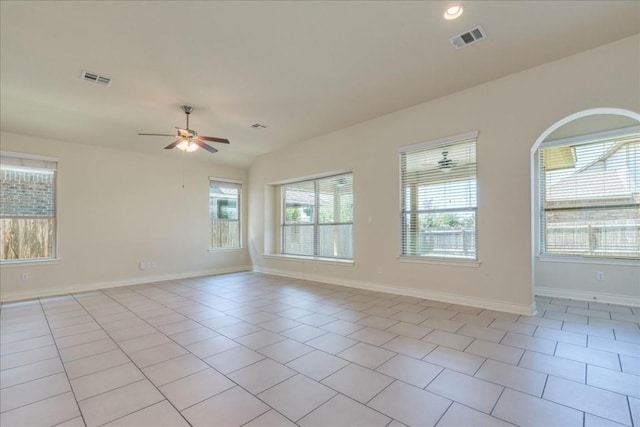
x=303, y=68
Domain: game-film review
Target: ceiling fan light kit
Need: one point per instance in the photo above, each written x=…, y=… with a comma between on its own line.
x=187, y=146
x=187, y=139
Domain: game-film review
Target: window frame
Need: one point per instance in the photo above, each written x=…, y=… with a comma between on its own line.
x=316, y=220
x=539, y=193
x=436, y=259
x=232, y=183
x=45, y=160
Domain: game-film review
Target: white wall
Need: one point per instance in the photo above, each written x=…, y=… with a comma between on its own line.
x=621, y=282
x=510, y=114
x=117, y=208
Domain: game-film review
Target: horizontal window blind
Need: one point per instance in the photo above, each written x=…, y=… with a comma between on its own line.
x=317, y=217
x=590, y=198
x=225, y=213
x=28, y=163
x=439, y=199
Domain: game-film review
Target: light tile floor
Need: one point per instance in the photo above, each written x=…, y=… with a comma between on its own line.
x=254, y=350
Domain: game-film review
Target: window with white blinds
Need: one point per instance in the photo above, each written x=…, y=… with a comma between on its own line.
x=27, y=207
x=317, y=217
x=225, y=213
x=439, y=198
x=589, y=190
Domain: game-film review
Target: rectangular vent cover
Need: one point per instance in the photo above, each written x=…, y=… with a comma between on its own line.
x=96, y=78
x=471, y=36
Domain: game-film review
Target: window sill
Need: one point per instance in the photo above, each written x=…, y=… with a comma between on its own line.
x=585, y=260
x=335, y=261
x=224, y=249
x=453, y=262
x=27, y=263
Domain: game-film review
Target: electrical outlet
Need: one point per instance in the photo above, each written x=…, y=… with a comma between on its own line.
x=25, y=276
x=142, y=265
x=379, y=270
x=600, y=276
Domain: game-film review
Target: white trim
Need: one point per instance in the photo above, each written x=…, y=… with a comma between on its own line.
x=592, y=137
x=588, y=260
x=523, y=309
x=240, y=198
x=311, y=177
x=27, y=262
x=226, y=249
x=40, y=293
x=335, y=261
x=588, y=296
x=439, y=141
x=454, y=262
x=28, y=156
x=229, y=180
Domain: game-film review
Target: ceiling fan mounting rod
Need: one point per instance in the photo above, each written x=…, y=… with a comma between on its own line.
x=187, y=110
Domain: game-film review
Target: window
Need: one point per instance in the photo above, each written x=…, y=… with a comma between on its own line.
x=27, y=207
x=317, y=217
x=225, y=213
x=439, y=198
x=589, y=196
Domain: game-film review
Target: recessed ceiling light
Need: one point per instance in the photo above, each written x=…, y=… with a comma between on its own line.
x=453, y=12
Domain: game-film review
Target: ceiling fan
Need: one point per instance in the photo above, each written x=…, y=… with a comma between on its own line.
x=188, y=139
x=445, y=164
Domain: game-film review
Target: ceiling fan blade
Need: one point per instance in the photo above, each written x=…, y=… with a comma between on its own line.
x=203, y=145
x=173, y=144
x=212, y=139
x=156, y=134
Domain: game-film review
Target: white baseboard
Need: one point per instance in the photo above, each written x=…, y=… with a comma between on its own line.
x=527, y=310
x=588, y=296
x=40, y=293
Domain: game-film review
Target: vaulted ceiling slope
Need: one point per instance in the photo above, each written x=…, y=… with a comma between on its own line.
x=302, y=68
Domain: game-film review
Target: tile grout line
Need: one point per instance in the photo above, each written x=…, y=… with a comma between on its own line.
x=633, y=421
x=127, y=356
x=493, y=408
x=196, y=289
x=209, y=366
x=445, y=412
x=39, y=400
x=42, y=346
x=134, y=412
x=62, y=363
x=29, y=363
x=99, y=370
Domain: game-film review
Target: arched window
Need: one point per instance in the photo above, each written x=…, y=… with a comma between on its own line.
x=589, y=194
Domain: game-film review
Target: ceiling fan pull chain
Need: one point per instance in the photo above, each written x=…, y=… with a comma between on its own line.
x=183, y=164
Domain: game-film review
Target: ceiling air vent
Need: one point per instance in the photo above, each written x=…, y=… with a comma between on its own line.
x=96, y=78
x=471, y=36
